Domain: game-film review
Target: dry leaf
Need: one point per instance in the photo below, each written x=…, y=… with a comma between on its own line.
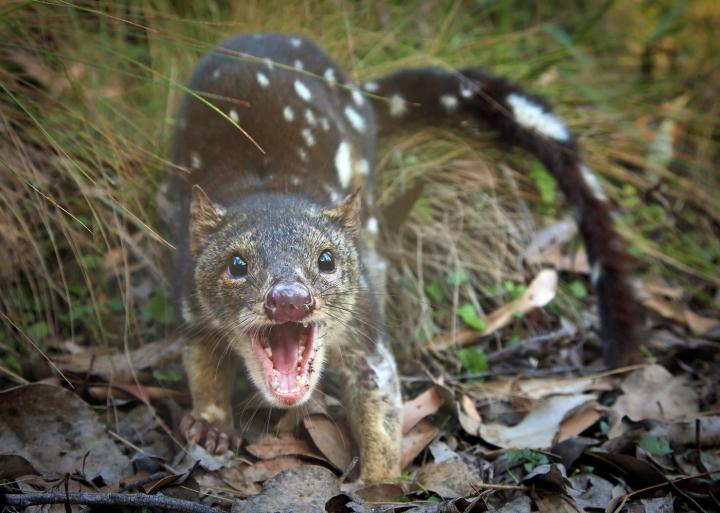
x=539, y=428
x=539, y=293
x=57, y=433
x=120, y=366
x=578, y=422
x=243, y=477
x=556, y=504
x=334, y=440
x=547, y=247
x=420, y=407
x=416, y=440
x=699, y=324
x=302, y=489
x=653, y=393
x=380, y=492
x=452, y=478
x=539, y=388
x=271, y=446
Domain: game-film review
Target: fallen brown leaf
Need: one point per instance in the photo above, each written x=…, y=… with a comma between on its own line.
x=539, y=293
x=271, y=446
x=653, y=393
x=420, y=407
x=57, y=433
x=450, y=479
x=577, y=422
x=416, y=440
x=334, y=440
x=540, y=426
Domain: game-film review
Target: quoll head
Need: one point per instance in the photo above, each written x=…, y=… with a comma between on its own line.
x=279, y=276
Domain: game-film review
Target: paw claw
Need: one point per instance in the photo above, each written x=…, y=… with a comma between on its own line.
x=214, y=439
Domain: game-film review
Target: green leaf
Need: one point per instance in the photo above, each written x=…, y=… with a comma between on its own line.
x=578, y=289
x=469, y=316
x=655, y=445
x=91, y=261
x=544, y=182
x=115, y=304
x=423, y=211
x=435, y=291
x=38, y=331
x=167, y=375
x=473, y=360
x=158, y=308
x=456, y=278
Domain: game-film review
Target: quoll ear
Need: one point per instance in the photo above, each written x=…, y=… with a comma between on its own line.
x=347, y=212
x=205, y=217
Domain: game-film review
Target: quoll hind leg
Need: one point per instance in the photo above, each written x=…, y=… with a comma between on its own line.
x=210, y=376
x=374, y=404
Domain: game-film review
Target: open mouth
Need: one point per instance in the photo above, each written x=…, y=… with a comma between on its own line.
x=286, y=352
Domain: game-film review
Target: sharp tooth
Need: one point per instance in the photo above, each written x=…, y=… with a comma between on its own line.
x=268, y=351
x=298, y=377
x=302, y=348
x=305, y=324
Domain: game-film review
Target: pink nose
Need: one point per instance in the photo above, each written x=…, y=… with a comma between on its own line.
x=288, y=301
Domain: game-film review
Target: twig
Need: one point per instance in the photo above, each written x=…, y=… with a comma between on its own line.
x=138, y=500
x=669, y=482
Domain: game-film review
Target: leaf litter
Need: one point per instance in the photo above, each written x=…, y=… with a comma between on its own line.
x=641, y=440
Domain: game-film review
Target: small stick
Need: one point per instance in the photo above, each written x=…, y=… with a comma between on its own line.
x=138, y=500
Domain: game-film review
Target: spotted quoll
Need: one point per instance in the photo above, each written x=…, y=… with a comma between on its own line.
x=277, y=228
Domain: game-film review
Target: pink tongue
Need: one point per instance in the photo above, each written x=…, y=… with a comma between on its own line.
x=285, y=343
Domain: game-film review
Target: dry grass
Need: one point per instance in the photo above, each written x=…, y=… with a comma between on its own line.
x=89, y=93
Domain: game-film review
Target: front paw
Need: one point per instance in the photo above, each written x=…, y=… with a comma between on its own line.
x=214, y=439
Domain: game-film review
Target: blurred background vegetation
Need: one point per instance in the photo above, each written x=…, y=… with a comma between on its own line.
x=89, y=90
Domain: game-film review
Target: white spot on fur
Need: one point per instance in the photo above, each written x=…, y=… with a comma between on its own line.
x=262, y=79
x=373, y=225
x=533, y=116
x=465, y=92
x=288, y=113
x=310, y=117
x=591, y=180
x=449, y=101
x=330, y=76
x=269, y=63
x=216, y=74
x=398, y=106
x=296, y=42
x=302, y=154
x=187, y=314
x=383, y=365
x=234, y=115
x=356, y=120
x=358, y=97
x=299, y=64
x=308, y=136
x=335, y=195
x=324, y=123
x=596, y=274
x=302, y=90
x=371, y=87
x=343, y=164
x=195, y=160
x=363, y=167
x=213, y=414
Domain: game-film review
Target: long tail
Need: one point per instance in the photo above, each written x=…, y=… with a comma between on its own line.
x=472, y=97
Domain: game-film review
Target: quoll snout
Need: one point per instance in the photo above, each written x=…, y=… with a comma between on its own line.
x=288, y=301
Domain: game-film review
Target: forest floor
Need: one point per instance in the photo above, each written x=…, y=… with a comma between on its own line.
x=508, y=406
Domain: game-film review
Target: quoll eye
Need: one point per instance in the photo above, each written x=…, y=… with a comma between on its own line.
x=238, y=268
x=326, y=262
